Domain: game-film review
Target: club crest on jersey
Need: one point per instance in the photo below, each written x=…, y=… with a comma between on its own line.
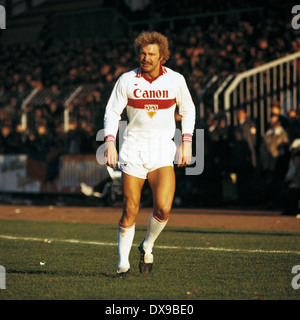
x=151, y=109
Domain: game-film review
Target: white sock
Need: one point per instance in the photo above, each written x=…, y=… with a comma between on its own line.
x=154, y=228
x=125, y=239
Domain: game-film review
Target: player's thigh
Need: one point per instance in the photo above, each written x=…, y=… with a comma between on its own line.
x=162, y=183
x=132, y=187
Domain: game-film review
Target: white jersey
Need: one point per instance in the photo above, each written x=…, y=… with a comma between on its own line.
x=150, y=106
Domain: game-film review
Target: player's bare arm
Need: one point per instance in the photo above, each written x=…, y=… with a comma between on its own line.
x=111, y=154
x=184, y=154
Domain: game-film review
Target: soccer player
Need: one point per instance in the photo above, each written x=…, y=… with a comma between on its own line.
x=150, y=94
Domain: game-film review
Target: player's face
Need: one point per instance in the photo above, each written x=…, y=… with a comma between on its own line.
x=150, y=60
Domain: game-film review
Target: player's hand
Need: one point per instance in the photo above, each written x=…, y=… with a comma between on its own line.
x=111, y=155
x=184, y=154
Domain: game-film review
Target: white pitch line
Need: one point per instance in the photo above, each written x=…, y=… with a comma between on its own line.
x=158, y=247
x=58, y=240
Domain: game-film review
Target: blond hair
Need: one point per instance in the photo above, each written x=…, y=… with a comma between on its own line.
x=146, y=38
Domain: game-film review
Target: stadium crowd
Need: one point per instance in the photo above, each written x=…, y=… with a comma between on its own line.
x=199, y=51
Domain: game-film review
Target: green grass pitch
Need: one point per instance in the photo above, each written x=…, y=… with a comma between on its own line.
x=78, y=261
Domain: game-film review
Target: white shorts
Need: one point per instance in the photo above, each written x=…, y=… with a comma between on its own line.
x=139, y=162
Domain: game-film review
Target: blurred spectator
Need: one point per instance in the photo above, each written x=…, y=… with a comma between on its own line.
x=72, y=139
x=277, y=110
x=87, y=138
x=11, y=140
x=4, y=139
x=293, y=126
x=274, y=154
x=243, y=156
x=274, y=148
x=54, y=115
x=42, y=139
x=288, y=190
x=224, y=143
x=211, y=178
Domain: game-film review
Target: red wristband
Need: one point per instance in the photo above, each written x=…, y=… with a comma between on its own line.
x=187, y=137
x=110, y=138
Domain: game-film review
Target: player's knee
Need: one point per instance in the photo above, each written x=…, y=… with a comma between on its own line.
x=130, y=207
x=162, y=212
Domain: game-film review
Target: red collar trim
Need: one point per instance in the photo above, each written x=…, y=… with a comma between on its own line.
x=140, y=74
